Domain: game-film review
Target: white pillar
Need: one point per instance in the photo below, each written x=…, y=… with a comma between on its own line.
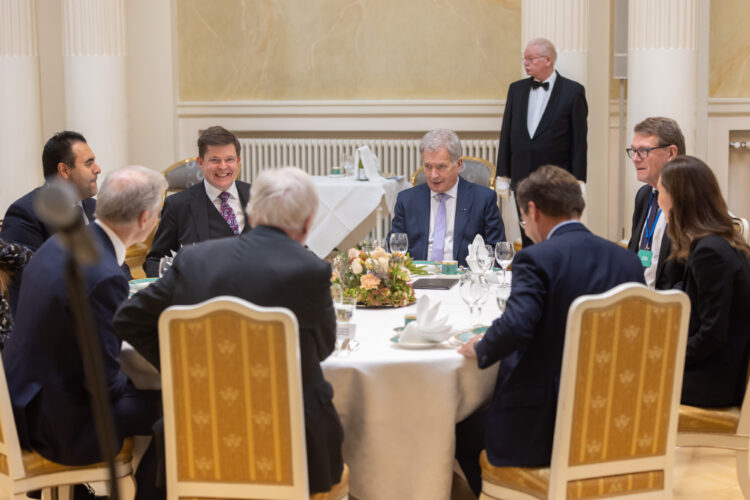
x=662, y=75
x=95, y=93
x=21, y=116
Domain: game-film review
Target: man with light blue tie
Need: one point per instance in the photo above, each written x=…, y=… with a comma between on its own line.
x=442, y=216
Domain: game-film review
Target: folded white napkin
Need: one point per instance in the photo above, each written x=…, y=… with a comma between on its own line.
x=369, y=161
x=429, y=326
x=477, y=249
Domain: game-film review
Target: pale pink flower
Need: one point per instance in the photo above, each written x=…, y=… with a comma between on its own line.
x=369, y=281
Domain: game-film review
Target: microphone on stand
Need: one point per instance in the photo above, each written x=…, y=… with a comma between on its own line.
x=56, y=205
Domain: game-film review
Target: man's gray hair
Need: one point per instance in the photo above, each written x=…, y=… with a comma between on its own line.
x=128, y=192
x=440, y=138
x=283, y=198
x=545, y=48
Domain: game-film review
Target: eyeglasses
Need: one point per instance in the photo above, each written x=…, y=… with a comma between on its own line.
x=642, y=152
x=522, y=224
x=532, y=59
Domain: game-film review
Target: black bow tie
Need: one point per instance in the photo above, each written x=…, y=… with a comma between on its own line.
x=535, y=85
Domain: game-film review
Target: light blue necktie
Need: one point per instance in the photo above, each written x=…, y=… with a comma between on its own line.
x=438, y=236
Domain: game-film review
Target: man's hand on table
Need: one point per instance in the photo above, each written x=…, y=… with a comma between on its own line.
x=468, y=349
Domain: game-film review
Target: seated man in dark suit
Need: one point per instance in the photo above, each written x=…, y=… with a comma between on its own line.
x=43, y=364
x=442, y=216
x=210, y=209
x=66, y=156
x=565, y=262
x=270, y=267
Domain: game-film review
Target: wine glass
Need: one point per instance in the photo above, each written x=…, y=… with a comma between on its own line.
x=345, y=330
x=164, y=264
x=504, y=252
x=485, y=258
x=501, y=296
x=337, y=292
x=473, y=289
x=399, y=243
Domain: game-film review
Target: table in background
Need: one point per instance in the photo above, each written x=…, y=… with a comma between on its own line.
x=399, y=407
x=349, y=209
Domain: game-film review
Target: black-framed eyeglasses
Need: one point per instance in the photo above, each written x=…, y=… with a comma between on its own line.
x=642, y=152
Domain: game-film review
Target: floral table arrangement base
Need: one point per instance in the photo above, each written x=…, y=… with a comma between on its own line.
x=376, y=278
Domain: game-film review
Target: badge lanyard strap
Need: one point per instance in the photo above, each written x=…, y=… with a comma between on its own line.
x=650, y=234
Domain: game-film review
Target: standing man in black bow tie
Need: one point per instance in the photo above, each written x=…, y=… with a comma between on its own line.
x=208, y=210
x=544, y=122
x=656, y=140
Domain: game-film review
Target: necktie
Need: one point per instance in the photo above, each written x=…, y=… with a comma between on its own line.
x=535, y=85
x=438, y=235
x=648, y=229
x=228, y=213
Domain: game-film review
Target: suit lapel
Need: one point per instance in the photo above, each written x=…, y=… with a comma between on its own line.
x=524, y=115
x=243, y=204
x=552, y=104
x=423, y=214
x=463, y=209
x=199, y=211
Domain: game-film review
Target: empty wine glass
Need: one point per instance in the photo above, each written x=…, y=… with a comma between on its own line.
x=485, y=258
x=501, y=296
x=337, y=292
x=504, y=252
x=473, y=289
x=399, y=243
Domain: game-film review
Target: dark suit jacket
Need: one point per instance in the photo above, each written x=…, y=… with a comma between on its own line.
x=668, y=272
x=42, y=361
x=267, y=268
x=559, y=139
x=717, y=280
x=21, y=225
x=185, y=219
x=528, y=338
x=476, y=213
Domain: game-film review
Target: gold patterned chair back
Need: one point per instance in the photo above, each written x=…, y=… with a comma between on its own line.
x=619, y=393
x=232, y=392
x=182, y=174
x=474, y=170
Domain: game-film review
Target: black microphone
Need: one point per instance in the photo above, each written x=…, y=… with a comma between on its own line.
x=56, y=205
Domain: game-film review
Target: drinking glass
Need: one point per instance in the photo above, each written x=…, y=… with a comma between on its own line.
x=347, y=163
x=399, y=243
x=504, y=255
x=344, y=328
x=501, y=296
x=337, y=292
x=164, y=264
x=485, y=259
x=473, y=289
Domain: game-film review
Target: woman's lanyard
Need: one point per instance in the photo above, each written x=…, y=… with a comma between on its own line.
x=649, y=233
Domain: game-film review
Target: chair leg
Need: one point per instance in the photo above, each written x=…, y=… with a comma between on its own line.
x=126, y=486
x=743, y=472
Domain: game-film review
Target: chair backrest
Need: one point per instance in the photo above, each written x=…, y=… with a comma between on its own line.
x=11, y=458
x=474, y=170
x=619, y=392
x=183, y=174
x=743, y=226
x=232, y=393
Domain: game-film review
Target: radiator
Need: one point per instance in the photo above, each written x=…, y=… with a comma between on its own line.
x=317, y=156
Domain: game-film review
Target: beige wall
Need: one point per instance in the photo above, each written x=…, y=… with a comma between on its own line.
x=343, y=49
x=730, y=49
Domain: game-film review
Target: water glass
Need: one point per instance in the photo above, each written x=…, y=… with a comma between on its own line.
x=485, y=258
x=345, y=309
x=501, y=296
x=399, y=243
x=504, y=253
x=474, y=289
x=337, y=293
x=164, y=264
x=347, y=163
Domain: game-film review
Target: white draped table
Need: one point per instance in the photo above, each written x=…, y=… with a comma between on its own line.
x=349, y=209
x=399, y=407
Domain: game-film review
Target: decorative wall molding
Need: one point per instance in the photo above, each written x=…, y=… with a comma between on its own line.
x=18, y=28
x=662, y=24
x=561, y=21
x=93, y=28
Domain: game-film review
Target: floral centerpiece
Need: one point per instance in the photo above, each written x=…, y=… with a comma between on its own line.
x=376, y=278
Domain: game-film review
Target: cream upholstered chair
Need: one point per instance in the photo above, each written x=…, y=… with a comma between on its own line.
x=727, y=428
x=743, y=226
x=182, y=175
x=474, y=170
x=22, y=471
x=617, y=410
x=233, y=413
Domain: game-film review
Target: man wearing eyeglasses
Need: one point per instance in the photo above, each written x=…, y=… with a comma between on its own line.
x=656, y=141
x=544, y=123
x=208, y=210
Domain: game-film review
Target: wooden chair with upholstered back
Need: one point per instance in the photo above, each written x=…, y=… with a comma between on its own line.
x=474, y=170
x=727, y=428
x=23, y=471
x=619, y=393
x=233, y=411
x=182, y=175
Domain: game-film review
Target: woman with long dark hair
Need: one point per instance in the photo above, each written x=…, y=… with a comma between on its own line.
x=717, y=280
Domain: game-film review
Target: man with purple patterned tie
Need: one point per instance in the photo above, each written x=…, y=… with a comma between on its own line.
x=208, y=210
x=442, y=216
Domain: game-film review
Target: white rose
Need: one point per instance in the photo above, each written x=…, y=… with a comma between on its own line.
x=383, y=262
x=353, y=253
x=356, y=266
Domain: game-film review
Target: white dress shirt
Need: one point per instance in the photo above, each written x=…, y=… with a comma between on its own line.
x=450, y=216
x=234, y=202
x=116, y=242
x=538, y=99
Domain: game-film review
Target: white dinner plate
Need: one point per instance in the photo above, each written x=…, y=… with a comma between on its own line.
x=413, y=345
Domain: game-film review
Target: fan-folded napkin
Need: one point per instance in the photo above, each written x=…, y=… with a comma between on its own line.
x=428, y=327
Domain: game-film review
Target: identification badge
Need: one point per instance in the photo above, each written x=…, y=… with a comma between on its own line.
x=645, y=256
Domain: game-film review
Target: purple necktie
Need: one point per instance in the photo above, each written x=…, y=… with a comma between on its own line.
x=228, y=213
x=438, y=236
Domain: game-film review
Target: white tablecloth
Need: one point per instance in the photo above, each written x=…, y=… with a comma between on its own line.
x=348, y=210
x=399, y=407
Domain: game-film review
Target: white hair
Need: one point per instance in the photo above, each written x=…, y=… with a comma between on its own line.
x=440, y=138
x=545, y=48
x=128, y=192
x=283, y=198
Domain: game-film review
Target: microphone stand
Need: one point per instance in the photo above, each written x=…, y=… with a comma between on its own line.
x=91, y=355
